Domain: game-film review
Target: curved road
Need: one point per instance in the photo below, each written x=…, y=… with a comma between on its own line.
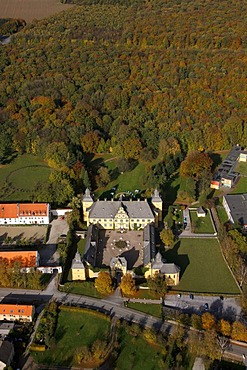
x=235, y=350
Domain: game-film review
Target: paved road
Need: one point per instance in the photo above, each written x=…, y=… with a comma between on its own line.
x=228, y=307
x=114, y=308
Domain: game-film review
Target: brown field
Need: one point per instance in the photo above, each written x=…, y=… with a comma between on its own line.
x=30, y=9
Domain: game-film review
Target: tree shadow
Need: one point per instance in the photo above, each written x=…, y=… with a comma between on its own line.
x=170, y=191
x=230, y=314
x=3, y=237
x=172, y=256
x=114, y=174
x=60, y=331
x=217, y=160
x=217, y=308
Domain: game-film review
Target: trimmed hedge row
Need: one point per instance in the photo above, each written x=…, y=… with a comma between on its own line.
x=37, y=347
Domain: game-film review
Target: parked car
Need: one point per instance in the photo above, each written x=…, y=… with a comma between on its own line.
x=179, y=295
x=205, y=306
x=191, y=296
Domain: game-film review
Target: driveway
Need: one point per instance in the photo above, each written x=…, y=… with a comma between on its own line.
x=58, y=227
x=48, y=252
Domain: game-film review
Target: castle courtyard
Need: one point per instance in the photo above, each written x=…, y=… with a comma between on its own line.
x=132, y=250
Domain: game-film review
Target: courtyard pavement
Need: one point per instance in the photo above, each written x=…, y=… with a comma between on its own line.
x=133, y=252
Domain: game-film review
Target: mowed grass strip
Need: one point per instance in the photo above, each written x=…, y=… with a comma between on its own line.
x=74, y=330
x=203, y=225
x=150, y=309
x=203, y=268
x=83, y=288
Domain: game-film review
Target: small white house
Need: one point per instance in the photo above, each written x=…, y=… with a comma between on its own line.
x=201, y=212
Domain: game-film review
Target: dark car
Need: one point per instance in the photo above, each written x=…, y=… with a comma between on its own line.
x=191, y=296
x=205, y=306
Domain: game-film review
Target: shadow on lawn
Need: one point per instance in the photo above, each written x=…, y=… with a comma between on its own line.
x=182, y=260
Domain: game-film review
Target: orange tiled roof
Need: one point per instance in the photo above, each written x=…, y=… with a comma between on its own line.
x=27, y=258
x=8, y=210
x=15, y=309
x=33, y=209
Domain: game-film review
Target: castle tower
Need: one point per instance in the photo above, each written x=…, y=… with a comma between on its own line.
x=157, y=203
x=87, y=202
x=77, y=268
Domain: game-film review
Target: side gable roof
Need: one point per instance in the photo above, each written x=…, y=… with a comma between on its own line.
x=15, y=309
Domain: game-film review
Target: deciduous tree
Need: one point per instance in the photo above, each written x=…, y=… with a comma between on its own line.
x=128, y=285
x=103, y=283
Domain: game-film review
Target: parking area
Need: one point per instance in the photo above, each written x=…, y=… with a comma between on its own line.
x=17, y=234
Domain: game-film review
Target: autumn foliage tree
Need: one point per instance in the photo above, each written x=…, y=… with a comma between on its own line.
x=167, y=237
x=103, y=283
x=208, y=321
x=127, y=285
x=195, y=165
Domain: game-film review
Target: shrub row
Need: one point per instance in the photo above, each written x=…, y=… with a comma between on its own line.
x=37, y=347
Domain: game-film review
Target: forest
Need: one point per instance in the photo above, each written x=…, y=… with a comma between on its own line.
x=147, y=81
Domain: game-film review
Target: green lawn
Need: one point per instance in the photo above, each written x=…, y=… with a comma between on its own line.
x=241, y=186
x=203, y=269
x=202, y=225
x=241, y=168
x=136, y=353
x=74, y=330
x=222, y=214
x=83, y=288
x=150, y=309
x=18, y=178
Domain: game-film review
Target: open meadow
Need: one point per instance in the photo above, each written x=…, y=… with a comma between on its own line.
x=30, y=10
x=203, y=269
x=19, y=177
x=74, y=330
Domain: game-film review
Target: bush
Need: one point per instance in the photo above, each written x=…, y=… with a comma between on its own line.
x=37, y=347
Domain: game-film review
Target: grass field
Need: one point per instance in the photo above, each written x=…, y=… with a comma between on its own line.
x=82, y=287
x=136, y=353
x=202, y=225
x=128, y=181
x=203, y=269
x=222, y=214
x=18, y=178
x=241, y=186
x=150, y=309
x=31, y=9
x=74, y=329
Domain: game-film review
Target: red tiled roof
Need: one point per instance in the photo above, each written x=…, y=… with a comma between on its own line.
x=8, y=210
x=27, y=258
x=15, y=309
x=33, y=209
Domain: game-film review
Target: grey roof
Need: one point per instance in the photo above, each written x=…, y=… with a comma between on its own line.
x=6, y=351
x=169, y=268
x=164, y=268
x=114, y=260
x=226, y=169
x=91, y=245
x=148, y=243
x=200, y=210
x=156, y=196
x=87, y=196
x=157, y=263
x=108, y=209
x=238, y=207
x=77, y=262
